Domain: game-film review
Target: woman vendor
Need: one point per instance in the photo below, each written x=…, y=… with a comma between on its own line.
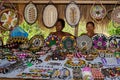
x=90, y=27
x=60, y=24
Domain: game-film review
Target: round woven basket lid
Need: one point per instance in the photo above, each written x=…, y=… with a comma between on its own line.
x=30, y=13
x=99, y=41
x=115, y=24
x=72, y=14
x=84, y=42
x=8, y=18
x=114, y=41
x=50, y=15
x=98, y=12
x=36, y=41
x=115, y=16
x=68, y=42
x=52, y=40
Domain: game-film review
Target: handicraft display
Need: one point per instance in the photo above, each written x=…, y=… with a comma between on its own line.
x=58, y=59
x=50, y=15
x=72, y=14
x=8, y=18
x=86, y=73
x=68, y=42
x=52, y=40
x=63, y=73
x=115, y=16
x=77, y=74
x=78, y=64
x=114, y=42
x=99, y=42
x=84, y=42
x=98, y=12
x=30, y=13
x=36, y=42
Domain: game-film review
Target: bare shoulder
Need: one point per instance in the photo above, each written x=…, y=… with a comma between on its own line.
x=52, y=33
x=67, y=34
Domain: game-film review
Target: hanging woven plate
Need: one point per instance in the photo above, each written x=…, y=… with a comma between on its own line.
x=115, y=24
x=98, y=12
x=52, y=40
x=72, y=14
x=115, y=16
x=36, y=42
x=50, y=15
x=84, y=42
x=99, y=42
x=114, y=41
x=68, y=42
x=30, y=13
x=8, y=18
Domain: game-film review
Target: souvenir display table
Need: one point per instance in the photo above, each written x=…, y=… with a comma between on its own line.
x=48, y=68
x=68, y=58
x=60, y=59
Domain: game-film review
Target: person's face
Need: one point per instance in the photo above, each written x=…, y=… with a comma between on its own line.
x=59, y=26
x=90, y=28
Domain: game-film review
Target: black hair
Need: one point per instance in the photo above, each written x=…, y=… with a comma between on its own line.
x=62, y=22
x=90, y=22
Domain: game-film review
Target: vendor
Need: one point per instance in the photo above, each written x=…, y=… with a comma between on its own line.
x=59, y=27
x=90, y=27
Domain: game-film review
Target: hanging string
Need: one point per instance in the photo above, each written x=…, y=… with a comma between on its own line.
x=50, y=2
x=114, y=9
x=101, y=19
x=1, y=5
x=116, y=4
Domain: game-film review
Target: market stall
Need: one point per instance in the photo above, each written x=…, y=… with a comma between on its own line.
x=31, y=49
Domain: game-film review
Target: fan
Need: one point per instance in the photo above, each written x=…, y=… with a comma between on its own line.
x=30, y=13
x=68, y=42
x=36, y=42
x=52, y=40
x=114, y=41
x=50, y=15
x=98, y=12
x=8, y=18
x=115, y=16
x=72, y=14
x=99, y=41
x=84, y=42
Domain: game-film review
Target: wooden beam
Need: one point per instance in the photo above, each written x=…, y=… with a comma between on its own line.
x=65, y=1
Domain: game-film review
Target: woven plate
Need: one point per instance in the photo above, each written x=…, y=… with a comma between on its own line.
x=30, y=13
x=52, y=40
x=8, y=18
x=114, y=41
x=115, y=16
x=36, y=42
x=84, y=42
x=50, y=15
x=68, y=42
x=72, y=14
x=99, y=41
x=98, y=12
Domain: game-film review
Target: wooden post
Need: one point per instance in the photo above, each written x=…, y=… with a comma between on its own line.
x=76, y=30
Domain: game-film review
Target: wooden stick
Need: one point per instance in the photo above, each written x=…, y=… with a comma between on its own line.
x=76, y=31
